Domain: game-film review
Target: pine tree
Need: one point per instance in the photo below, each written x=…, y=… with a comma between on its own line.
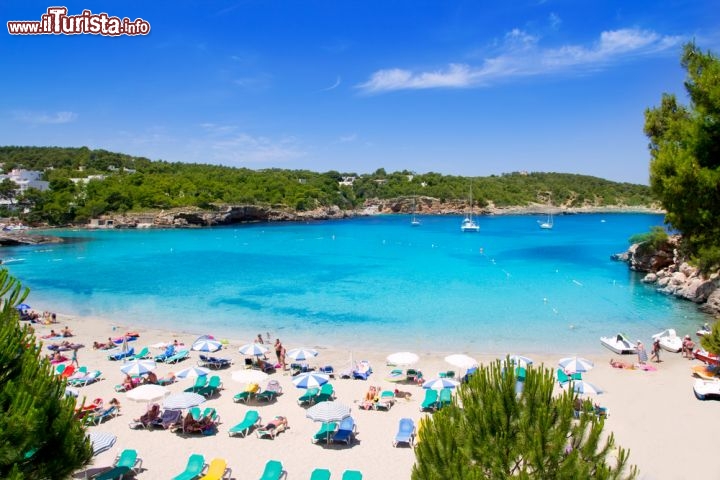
x=711, y=341
x=492, y=432
x=39, y=435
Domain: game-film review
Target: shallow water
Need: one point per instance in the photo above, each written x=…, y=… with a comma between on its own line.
x=367, y=281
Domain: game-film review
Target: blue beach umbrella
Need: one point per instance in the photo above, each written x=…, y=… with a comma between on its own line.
x=255, y=349
x=440, y=383
x=23, y=306
x=310, y=380
x=575, y=364
x=520, y=360
x=582, y=387
x=301, y=354
x=193, y=372
x=206, y=345
x=138, y=367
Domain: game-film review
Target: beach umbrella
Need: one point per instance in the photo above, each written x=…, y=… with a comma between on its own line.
x=255, y=349
x=440, y=383
x=138, y=367
x=310, y=380
x=582, y=387
x=333, y=411
x=101, y=441
x=520, y=360
x=301, y=354
x=402, y=358
x=193, y=372
x=23, y=306
x=575, y=364
x=249, y=376
x=461, y=360
x=147, y=393
x=206, y=345
x=183, y=400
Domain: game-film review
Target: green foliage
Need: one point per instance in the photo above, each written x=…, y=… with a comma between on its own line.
x=116, y=183
x=685, y=150
x=711, y=342
x=654, y=239
x=492, y=432
x=39, y=435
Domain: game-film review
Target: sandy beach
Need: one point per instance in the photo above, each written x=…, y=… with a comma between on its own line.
x=654, y=414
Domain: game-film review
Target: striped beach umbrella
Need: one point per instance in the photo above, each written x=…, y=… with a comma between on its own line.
x=206, y=345
x=584, y=388
x=192, y=372
x=255, y=349
x=183, y=400
x=333, y=411
x=520, y=360
x=575, y=364
x=301, y=354
x=310, y=380
x=101, y=441
x=138, y=367
x=440, y=383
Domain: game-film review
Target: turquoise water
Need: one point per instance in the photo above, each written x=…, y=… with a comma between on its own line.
x=368, y=281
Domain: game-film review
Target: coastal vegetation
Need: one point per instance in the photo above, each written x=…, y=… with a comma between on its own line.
x=685, y=163
x=88, y=183
x=652, y=240
x=39, y=434
x=489, y=431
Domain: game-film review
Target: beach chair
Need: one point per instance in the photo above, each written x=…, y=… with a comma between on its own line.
x=168, y=419
x=166, y=380
x=406, y=432
x=60, y=368
x=180, y=355
x=411, y=375
x=242, y=397
x=521, y=374
x=448, y=374
x=445, y=397
x=101, y=416
x=193, y=469
x=127, y=461
x=169, y=352
x=386, y=400
x=242, y=429
x=144, y=353
x=363, y=370
x=327, y=393
x=87, y=379
x=345, y=432
x=430, y=402
x=564, y=378
x=272, y=428
x=200, y=383
x=68, y=371
x=212, y=387
x=121, y=355
x=308, y=398
x=327, y=370
x=352, y=475
x=273, y=471
x=327, y=430
x=320, y=474
x=217, y=470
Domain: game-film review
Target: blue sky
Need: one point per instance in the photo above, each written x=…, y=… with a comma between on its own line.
x=466, y=88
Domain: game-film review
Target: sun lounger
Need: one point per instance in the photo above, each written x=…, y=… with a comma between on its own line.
x=86, y=379
x=320, y=474
x=352, y=475
x=169, y=352
x=327, y=370
x=68, y=371
x=168, y=419
x=266, y=395
x=144, y=353
x=217, y=470
x=213, y=362
x=194, y=468
x=127, y=461
x=99, y=417
x=212, y=387
x=199, y=384
x=272, y=428
x=345, y=432
x=327, y=430
x=120, y=355
x=406, y=432
x=430, y=402
x=308, y=398
x=386, y=400
x=252, y=419
x=273, y=471
x=445, y=397
x=327, y=393
x=180, y=355
x=242, y=397
x=363, y=371
x=564, y=378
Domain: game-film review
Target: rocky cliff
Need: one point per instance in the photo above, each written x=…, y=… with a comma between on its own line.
x=671, y=274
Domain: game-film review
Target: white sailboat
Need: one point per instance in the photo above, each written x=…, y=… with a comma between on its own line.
x=547, y=224
x=414, y=221
x=468, y=224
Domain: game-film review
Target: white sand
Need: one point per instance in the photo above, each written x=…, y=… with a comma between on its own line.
x=670, y=434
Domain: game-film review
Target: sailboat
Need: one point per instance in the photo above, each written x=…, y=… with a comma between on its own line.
x=547, y=224
x=468, y=224
x=414, y=221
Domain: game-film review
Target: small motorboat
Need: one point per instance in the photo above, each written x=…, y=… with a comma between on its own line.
x=669, y=340
x=619, y=344
x=704, y=330
x=706, y=357
x=707, y=389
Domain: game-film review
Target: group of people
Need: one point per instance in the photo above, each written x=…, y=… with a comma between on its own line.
x=688, y=346
x=372, y=396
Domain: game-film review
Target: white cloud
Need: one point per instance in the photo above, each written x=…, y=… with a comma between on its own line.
x=337, y=83
x=42, y=118
x=243, y=148
x=554, y=20
x=348, y=138
x=522, y=55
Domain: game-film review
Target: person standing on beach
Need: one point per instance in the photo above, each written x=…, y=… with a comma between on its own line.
x=641, y=353
x=278, y=350
x=655, y=357
x=74, y=360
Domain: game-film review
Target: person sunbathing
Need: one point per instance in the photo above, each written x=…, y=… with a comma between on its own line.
x=619, y=364
x=368, y=401
x=278, y=423
x=147, y=417
x=66, y=332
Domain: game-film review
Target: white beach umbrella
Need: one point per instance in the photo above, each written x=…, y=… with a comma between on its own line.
x=575, y=364
x=520, y=360
x=301, y=354
x=192, y=372
x=333, y=411
x=101, y=441
x=249, y=376
x=402, y=358
x=255, y=349
x=461, y=360
x=582, y=387
x=206, y=345
x=310, y=380
x=183, y=400
x=138, y=367
x=440, y=383
x=147, y=393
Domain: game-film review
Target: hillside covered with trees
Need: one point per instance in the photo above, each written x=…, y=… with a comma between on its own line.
x=87, y=183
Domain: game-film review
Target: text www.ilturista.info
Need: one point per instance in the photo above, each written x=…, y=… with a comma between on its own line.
x=57, y=22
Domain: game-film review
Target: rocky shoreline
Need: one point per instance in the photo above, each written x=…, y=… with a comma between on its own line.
x=673, y=275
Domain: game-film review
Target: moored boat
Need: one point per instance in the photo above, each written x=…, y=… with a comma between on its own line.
x=707, y=357
x=706, y=389
x=669, y=340
x=619, y=344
